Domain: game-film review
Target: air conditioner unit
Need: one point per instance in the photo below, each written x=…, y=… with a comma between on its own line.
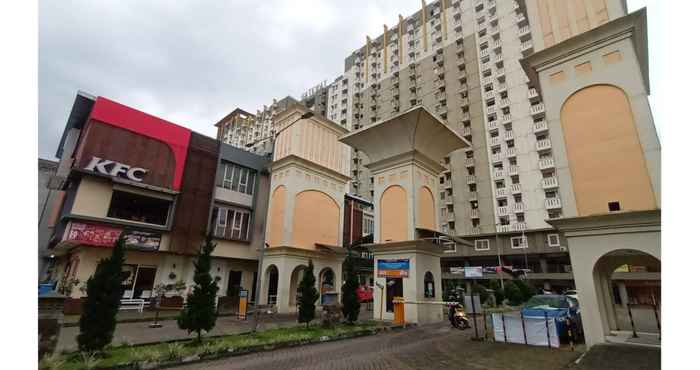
x=563, y=248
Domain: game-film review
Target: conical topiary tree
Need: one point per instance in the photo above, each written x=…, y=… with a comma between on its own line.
x=351, y=303
x=104, y=292
x=199, y=312
x=306, y=303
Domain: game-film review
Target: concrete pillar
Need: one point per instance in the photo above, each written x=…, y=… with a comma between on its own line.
x=609, y=305
x=543, y=265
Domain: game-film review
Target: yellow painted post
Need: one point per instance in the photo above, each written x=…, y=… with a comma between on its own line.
x=399, y=316
x=243, y=305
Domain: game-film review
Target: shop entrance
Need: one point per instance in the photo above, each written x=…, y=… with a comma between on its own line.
x=394, y=288
x=139, y=281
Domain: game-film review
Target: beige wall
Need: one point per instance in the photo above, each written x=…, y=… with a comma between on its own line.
x=277, y=209
x=426, y=209
x=394, y=214
x=605, y=157
x=93, y=197
x=316, y=220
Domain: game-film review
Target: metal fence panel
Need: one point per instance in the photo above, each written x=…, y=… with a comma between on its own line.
x=509, y=329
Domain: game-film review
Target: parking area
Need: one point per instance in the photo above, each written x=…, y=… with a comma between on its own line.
x=436, y=346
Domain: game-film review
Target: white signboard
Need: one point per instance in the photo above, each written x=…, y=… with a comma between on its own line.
x=473, y=272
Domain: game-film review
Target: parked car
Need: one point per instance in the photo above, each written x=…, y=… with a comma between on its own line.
x=559, y=307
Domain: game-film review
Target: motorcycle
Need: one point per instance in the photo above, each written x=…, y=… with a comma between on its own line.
x=458, y=318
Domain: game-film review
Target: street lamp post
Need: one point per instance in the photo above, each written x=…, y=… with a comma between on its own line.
x=258, y=283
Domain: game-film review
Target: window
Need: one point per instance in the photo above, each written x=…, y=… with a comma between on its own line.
x=553, y=240
x=367, y=224
x=482, y=245
x=518, y=242
x=449, y=247
x=429, y=285
x=236, y=178
x=230, y=223
x=139, y=208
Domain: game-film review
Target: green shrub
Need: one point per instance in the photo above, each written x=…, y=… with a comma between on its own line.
x=175, y=351
x=512, y=293
x=54, y=361
x=526, y=291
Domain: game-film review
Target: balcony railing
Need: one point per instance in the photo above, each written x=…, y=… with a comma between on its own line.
x=511, y=152
x=492, y=125
x=512, y=170
x=507, y=118
x=449, y=199
x=519, y=226
x=484, y=53
x=515, y=188
x=540, y=126
x=498, y=174
x=550, y=182
x=502, y=211
x=519, y=207
x=469, y=162
x=491, y=109
x=465, y=116
x=471, y=179
x=532, y=93
x=526, y=46
x=537, y=109
x=473, y=195
x=504, y=228
x=501, y=192
x=504, y=103
x=552, y=203
x=546, y=164
x=494, y=141
x=524, y=31
x=497, y=157
x=489, y=95
x=450, y=217
x=544, y=144
x=473, y=213
x=508, y=135
x=467, y=131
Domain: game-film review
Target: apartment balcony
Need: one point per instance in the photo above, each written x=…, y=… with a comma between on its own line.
x=466, y=131
x=501, y=193
x=516, y=188
x=439, y=83
x=473, y=230
x=552, y=203
x=504, y=228
x=449, y=199
x=487, y=80
x=519, y=226
x=465, y=116
x=462, y=75
x=526, y=47
x=458, y=28
x=504, y=103
x=532, y=94
x=537, y=110
x=472, y=196
x=441, y=95
x=483, y=53
x=524, y=31
x=448, y=184
x=550, y=183
x=493, y=18
x=507, y=118
x=464, y=103
x=498, y=58
x=512, y=170
x=519, y=207
x=481, y=27
x=511, y=152
x=473, y=213
x=471, y=179
x=492, y=125
x=491, y=109
x=478, y=3
x=502, y=211
x=499, y=174
x=493, y=31
x=497, y=45
x=450, y=217
x=490, y=4
x=546, y=164
x=508, y=135
x=489, y=95
x=495, y=141
x=543, y=145
x=540, y=126
x=497, y=157
x=520, y=19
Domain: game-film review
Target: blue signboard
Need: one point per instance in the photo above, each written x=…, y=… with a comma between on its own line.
x=393, y=268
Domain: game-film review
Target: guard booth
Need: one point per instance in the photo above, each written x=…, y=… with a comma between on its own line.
x=404, y=158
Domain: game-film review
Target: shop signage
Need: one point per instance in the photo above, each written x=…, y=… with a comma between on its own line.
x=473, y=272
x=457, y=270
x=106, y=236
x=393, y=268
x=116, y=169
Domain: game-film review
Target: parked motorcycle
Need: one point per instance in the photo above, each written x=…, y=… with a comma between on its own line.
x=457, y=317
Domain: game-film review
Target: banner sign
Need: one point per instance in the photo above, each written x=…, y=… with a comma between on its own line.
x=393, y=268
x=473, y=272
x=457, y=270
x=106, y=236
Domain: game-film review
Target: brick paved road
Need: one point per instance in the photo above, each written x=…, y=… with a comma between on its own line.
x=428, y=347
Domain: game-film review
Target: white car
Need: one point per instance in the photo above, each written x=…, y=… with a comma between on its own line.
x=572, y=293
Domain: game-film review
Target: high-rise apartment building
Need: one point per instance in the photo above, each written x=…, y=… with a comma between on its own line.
x=461, y=60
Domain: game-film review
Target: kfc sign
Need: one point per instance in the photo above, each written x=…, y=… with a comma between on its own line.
x=112, y=168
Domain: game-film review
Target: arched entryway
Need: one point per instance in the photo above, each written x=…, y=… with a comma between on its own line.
x=270, y=289
x=628, y=287
x=294, y=280
x=326, y=285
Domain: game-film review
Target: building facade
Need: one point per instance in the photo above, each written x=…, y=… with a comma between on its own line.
x=164, y=187
x=46, y=186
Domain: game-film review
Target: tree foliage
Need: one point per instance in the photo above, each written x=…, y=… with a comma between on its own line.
x=526, y=291
x=351, y=303
x=199, y=313
x=104, y=292
x=513, y=293
x=308, y=295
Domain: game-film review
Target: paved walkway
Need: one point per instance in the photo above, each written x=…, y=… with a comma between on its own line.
x=621, y=357
x=435, y=346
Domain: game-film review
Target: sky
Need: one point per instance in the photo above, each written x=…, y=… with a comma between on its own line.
x=192, y=62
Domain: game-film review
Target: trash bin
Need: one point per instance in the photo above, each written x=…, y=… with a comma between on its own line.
x=399, y=317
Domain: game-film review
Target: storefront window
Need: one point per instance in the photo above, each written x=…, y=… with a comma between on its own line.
x=139, y=208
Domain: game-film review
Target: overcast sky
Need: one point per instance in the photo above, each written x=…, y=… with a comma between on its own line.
x=192, y=62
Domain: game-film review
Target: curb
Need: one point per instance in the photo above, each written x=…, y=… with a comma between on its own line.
x=132, y=321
